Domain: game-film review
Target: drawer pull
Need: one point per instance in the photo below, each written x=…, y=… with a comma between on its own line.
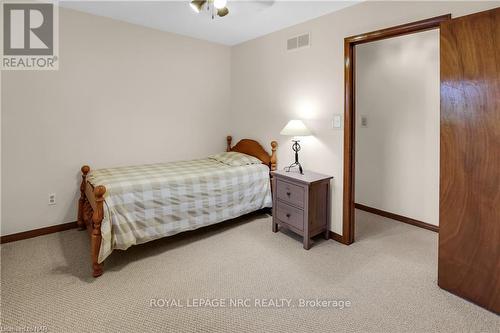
x=289, y=215
x=290, y=193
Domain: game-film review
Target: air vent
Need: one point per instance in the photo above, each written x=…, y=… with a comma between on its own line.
x=298, y=42
x=292, y=43
x=303, y=40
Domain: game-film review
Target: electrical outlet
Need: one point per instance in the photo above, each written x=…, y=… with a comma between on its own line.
x=52, y=199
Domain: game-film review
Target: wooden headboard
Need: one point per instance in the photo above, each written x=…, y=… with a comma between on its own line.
x=253, y=148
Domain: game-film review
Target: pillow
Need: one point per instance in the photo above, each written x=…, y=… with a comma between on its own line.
x=235, y=159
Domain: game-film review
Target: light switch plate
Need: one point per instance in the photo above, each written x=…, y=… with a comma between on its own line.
x=52, y=199
x=337, y=121
x=364, y=120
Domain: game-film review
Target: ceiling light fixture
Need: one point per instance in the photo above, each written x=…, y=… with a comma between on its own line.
x=196, y=5
x=219, y=4
x=222, y=12
x=215, y=7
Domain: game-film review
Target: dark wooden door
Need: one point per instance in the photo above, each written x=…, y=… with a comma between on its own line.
x=469, y=213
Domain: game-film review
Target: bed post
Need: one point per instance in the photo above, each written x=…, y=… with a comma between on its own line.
x=81, y=202
x=273, y=165
x=229, y=138
x=274, y=159
x=96, y=237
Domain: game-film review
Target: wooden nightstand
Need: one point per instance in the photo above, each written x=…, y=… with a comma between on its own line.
x=301, y=203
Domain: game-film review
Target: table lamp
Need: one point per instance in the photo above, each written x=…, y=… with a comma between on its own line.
x=295, y=128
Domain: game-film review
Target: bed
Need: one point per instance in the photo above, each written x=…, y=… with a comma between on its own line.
x=126, y=206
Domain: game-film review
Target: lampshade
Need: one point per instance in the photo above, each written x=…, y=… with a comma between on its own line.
x=295, y=128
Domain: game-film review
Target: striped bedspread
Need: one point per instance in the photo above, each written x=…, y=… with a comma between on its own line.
x=147, y=202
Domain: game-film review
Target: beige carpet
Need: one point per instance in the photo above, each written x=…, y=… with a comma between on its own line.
x=388, y=275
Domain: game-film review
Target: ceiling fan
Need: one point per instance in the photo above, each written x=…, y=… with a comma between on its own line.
x=217, y=7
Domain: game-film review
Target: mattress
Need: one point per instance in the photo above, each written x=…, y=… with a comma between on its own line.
x=147, y=202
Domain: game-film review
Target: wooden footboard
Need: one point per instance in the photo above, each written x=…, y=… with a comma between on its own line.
x=90, y=216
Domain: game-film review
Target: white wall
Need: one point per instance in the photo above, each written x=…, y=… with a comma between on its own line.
x=397, y=154
x=169, y=97
x=123, y=94
x=270, y=86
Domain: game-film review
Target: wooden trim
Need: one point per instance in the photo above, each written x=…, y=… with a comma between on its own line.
x=38, y=232
x=349, y=107
x=336, y=237
x=399, y=30
x=397, y=217
x=349, y=132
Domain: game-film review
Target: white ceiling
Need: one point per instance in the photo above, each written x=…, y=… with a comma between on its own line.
x=246, y=19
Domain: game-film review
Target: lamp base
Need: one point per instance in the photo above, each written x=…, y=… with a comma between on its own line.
x=293, y=165
x=295, y=148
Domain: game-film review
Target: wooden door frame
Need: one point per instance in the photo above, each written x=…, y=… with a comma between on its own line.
x=349, y=107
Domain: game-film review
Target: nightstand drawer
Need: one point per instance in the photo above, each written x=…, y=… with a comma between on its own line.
x=290, y=193
x=290, y=215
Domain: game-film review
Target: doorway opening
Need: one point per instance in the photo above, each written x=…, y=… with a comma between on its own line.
x=350, y=114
